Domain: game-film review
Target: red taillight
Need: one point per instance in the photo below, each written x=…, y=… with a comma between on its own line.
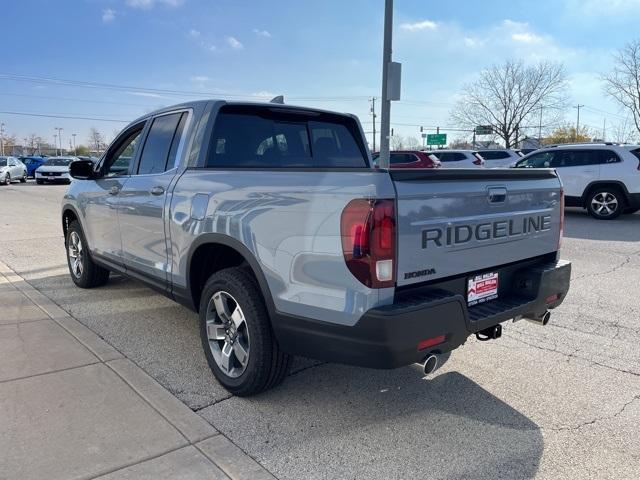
x=368, y=230
x=431, y=342
x=561, y=218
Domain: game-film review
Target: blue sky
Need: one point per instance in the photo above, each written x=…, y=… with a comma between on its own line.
x=318, y=53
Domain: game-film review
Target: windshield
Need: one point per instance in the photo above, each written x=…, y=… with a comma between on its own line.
x=58, y=162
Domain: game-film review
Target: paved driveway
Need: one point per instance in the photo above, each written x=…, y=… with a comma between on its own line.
x=561, y=401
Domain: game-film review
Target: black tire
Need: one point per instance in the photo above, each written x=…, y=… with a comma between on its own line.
x=39, y=182
x=266, y=365
x=24, y=177
x=7, y=179
x=87, y=274
x=612, y=197
x=630, y=211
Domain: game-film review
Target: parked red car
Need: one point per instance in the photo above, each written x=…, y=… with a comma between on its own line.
x=410, y=159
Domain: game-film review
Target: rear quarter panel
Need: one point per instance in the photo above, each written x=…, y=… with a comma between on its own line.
x=290, y=222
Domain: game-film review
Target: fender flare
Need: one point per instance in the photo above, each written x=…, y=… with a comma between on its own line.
x=245, y=253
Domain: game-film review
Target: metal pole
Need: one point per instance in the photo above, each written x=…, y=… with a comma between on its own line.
x=373, y=116
x=540, y=129
x=55, y=143
x=473, y=145
x=604, y=130
x=385, y=113
x=2, y=138
x=75, y=150
x=578, y=121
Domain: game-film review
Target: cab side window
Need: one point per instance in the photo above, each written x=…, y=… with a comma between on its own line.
x=119, y=158
x=160, y=148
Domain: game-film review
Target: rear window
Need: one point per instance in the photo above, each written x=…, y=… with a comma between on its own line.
x=158, y=154
x=3, y=162
x=494, y=154
x=250, y=137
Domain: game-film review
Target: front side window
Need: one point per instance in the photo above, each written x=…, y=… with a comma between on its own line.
x=494, y=154
x=575, y=158
x=254, y=137
x=158, y=154
x=397, y=158
x=3, y=162
x=118, y=161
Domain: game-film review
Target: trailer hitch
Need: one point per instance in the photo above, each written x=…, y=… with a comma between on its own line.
x=491, y=333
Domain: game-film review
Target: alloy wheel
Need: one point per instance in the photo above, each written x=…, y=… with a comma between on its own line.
x=604, y=204
x=228, y=334
x=76, y=254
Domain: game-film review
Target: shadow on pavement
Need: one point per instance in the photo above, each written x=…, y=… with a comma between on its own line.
x=335, y=421
x=579, y=224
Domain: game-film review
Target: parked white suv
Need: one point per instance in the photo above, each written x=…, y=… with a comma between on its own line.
x=499, y=157
x=604, y=178
x=458, y=158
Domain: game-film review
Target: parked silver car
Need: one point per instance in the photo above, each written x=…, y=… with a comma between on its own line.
x=12, y=169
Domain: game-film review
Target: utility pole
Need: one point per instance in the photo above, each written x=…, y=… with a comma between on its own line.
x=473, y=143
x=2, y=138
x=604, y=130
x=540, y=129
x=75, y=151
x=578, y=121
x=385, y=124
x=59, y=129
x=373, y=117
x=55, y=143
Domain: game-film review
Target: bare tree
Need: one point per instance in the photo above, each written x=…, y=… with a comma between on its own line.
x=623, y=132
x=96, y=140
x=511, y=97
x=412, y=143
x=623, y=83
x=398, y=142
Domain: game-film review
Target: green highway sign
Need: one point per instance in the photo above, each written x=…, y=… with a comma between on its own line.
x=484, y=129
x=437, y=139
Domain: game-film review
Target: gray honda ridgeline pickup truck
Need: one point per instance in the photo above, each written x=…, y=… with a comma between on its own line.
x=271, y=222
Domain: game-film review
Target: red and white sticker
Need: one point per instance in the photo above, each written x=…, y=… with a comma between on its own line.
x=482, y=288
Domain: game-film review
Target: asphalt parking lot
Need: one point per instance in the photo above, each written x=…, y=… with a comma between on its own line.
x=561, y=401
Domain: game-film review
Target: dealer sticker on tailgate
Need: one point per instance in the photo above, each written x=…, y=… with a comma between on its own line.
x=482, y=288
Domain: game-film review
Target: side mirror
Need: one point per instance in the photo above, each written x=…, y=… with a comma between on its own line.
x=82, y=170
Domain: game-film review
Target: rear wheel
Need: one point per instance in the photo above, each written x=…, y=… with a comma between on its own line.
x=39, y=182
x=236, y=334
x=7, y=179
x=84, y=272
x=605, y=203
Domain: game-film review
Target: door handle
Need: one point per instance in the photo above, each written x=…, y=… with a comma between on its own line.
x=157, y=190
x=114, y=190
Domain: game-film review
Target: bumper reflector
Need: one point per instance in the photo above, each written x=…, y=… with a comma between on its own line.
x=430, y=342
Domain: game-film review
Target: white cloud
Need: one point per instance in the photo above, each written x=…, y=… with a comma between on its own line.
x=526, y=37
x=264, y=94
x=422, y=25
x=262, y=33
x=513, y=24
x=146, y=94
x=193, y=33
x=148, y=4
x=108, y=15
x=199, y=79
x=234, y=43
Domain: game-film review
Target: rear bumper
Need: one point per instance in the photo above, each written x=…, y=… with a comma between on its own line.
x=388, y=336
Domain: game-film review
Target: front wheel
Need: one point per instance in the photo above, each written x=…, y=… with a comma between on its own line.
x=7, y=179
x=39, y=182
x=236, y=334
x=84, y=272
x=605, y=203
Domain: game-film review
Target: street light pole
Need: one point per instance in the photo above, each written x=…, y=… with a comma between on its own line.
x=55, y=143
x=373, y=117
x=578, y=121
x=75, y=150
x=2, y=138
x=385, y=112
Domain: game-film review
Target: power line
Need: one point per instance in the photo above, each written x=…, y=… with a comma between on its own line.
x=68, y=117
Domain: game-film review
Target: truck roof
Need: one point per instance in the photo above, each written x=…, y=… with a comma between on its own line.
x=196, y=103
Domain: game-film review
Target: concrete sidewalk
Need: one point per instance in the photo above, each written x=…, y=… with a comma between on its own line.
x=72, y=407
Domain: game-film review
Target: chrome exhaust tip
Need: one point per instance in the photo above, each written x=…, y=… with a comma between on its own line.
x=541, y=320
x=430, y=364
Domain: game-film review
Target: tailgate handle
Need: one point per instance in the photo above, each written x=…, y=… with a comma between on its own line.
x=497, y=194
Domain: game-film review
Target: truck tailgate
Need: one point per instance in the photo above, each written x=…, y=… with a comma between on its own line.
x=452, y=223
